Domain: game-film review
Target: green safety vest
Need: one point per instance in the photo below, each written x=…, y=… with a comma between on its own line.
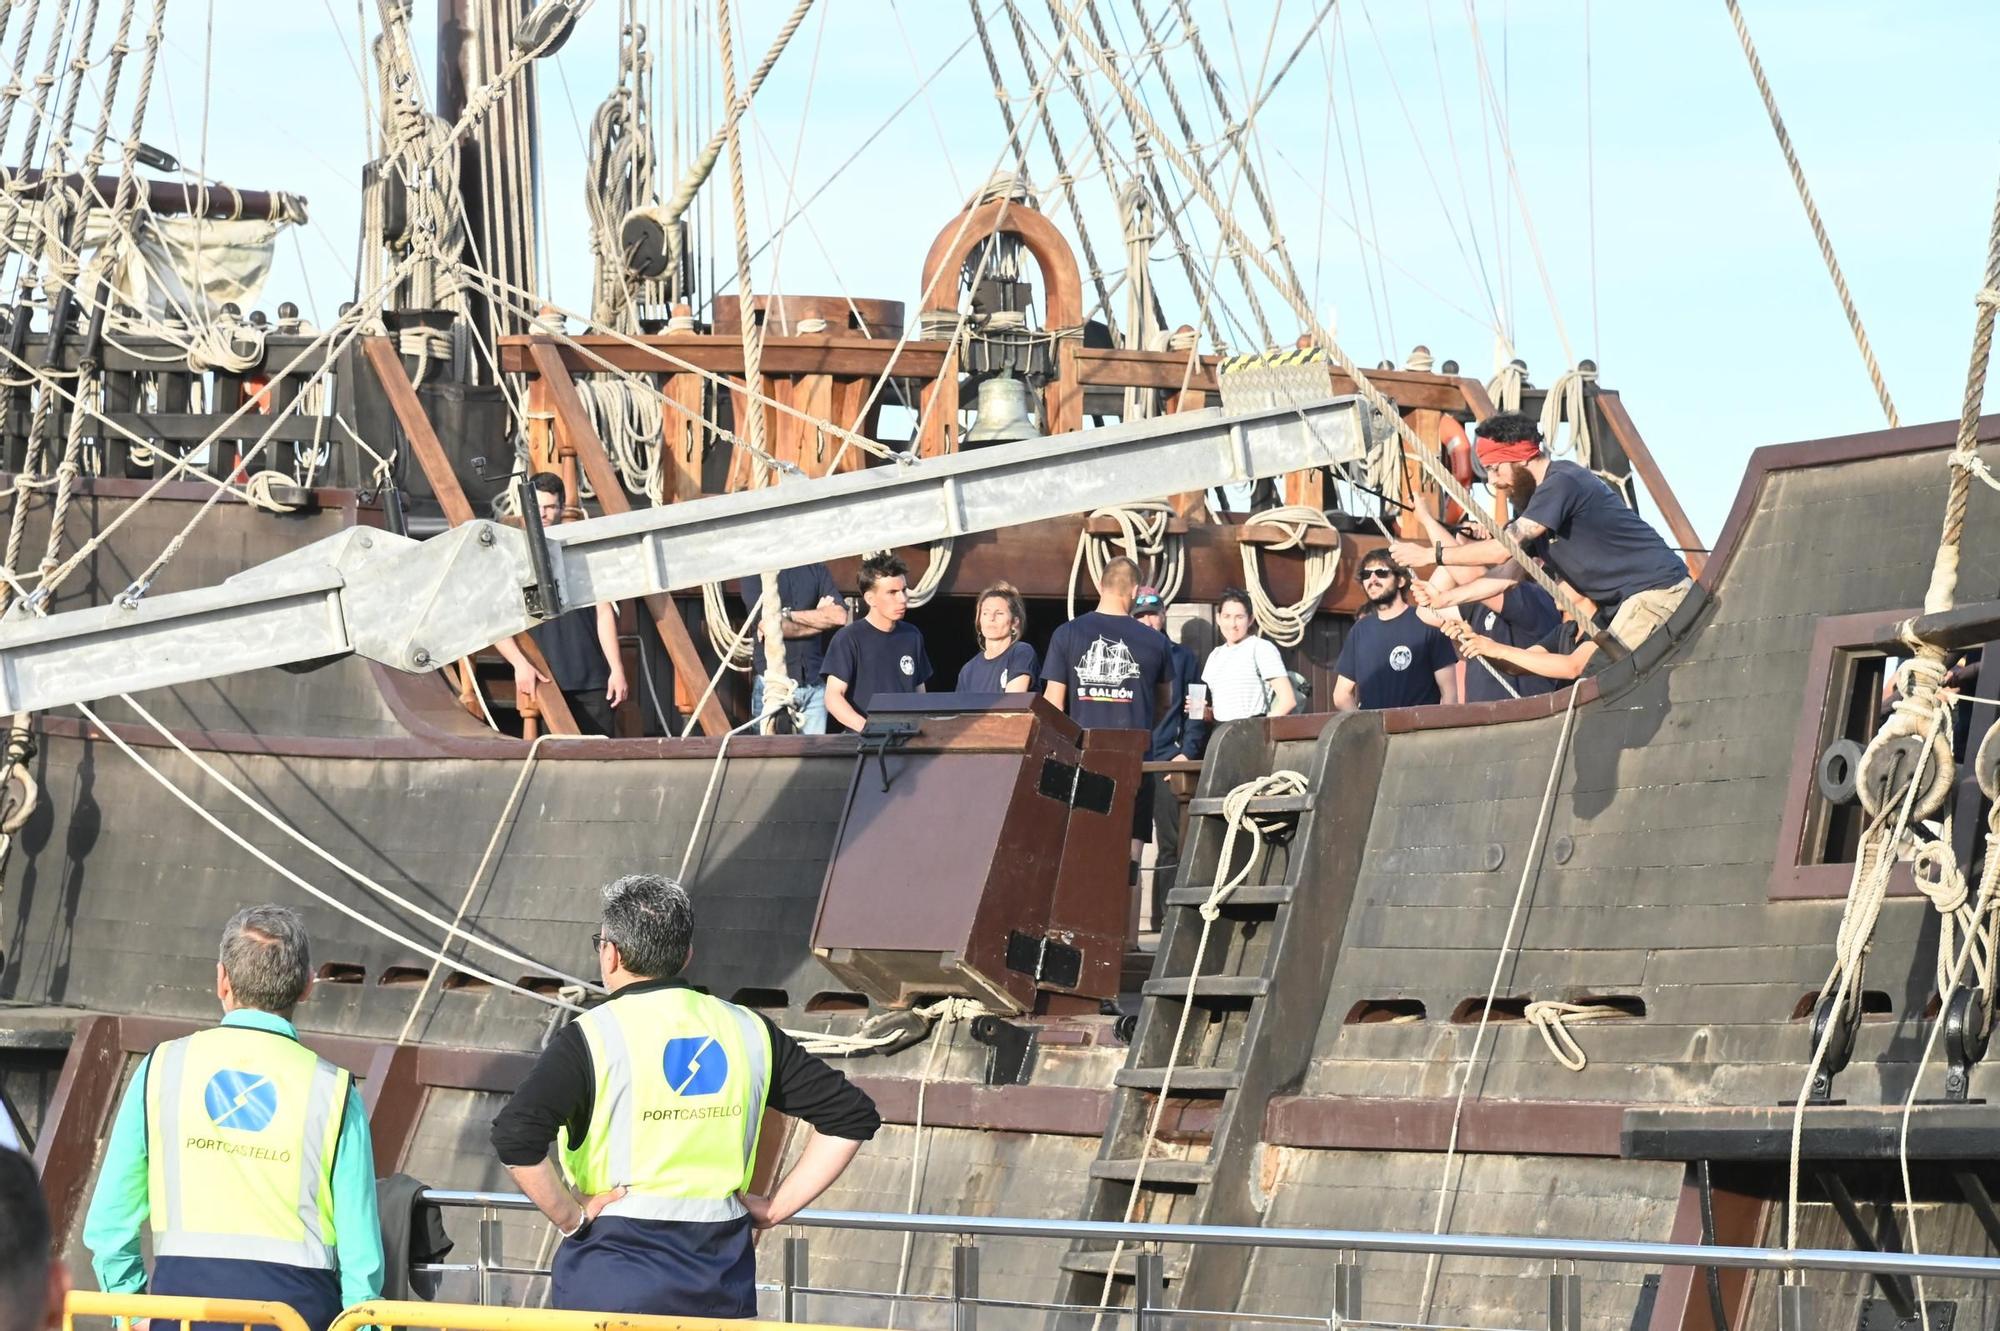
x=681, y=1084
x=241, y=1126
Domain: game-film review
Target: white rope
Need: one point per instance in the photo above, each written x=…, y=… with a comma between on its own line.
x=1237, y=818
x=1551, y=1018
x=401, y=902
x=1529, y=872
x=947, y=1013
x=319, y=894
x=1145, y=538
x=1286, y=624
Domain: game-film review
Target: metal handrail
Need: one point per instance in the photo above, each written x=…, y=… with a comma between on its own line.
x=388, y=1314
x=1360, y=1240
x=167, y=1308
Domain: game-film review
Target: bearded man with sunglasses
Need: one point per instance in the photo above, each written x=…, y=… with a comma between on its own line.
x=1392, y=658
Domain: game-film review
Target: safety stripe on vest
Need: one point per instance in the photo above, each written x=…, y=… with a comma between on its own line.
x=618, y=1112
x=758, y=1045
x=176, y=1240
x=708, y=1210
x=170, y=1066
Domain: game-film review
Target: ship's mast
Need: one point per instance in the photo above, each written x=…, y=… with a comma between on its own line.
x=500, y=159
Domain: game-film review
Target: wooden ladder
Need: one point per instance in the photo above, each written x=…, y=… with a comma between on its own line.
x=1258, y=1001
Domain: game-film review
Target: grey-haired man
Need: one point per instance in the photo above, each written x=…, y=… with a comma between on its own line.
x=653, y=1102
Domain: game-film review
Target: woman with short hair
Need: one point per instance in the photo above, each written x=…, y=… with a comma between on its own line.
x=1245, y=675
x=1005, y=664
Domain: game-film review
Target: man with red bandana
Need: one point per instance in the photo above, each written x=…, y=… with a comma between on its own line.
x=1581, y=529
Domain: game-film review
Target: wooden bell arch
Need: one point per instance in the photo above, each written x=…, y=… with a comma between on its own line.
x=1062, y=302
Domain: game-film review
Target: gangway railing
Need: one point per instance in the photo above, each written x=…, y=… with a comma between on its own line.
x=168, y=1311
x=1797, y=1306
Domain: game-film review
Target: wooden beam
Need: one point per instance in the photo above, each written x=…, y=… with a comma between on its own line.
x=387, y=363
x=575, y=436
x=843, y=354
x=83, y=1102
x=1476, y=401
x=1684, y=1302
x=1641, y=458
x=394, y=1101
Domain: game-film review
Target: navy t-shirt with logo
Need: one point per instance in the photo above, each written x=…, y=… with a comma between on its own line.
x=992, y=675
x=1111, y=665
x=799, y=588
x=1394, y=662
x=1596, y=543
x=1525, y=617
x=872, y=662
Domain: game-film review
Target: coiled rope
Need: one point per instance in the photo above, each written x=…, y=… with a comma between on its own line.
x=1144, y=536
x=1286, y=624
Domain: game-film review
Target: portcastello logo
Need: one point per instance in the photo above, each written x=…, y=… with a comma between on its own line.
x=241, y=1101
x=695, y=1065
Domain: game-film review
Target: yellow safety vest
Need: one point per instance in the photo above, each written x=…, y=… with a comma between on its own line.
x=241, y=1126
x=681, y=1084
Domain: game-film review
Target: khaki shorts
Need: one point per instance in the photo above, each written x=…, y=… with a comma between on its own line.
x=1639, y=614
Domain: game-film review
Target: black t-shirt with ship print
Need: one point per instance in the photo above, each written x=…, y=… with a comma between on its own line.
x=1111, y=665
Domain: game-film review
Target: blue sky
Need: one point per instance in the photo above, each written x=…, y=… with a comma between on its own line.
x=1710, y=309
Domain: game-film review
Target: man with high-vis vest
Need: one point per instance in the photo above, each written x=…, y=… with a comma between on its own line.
x=247, y=1153
x=652, y=1101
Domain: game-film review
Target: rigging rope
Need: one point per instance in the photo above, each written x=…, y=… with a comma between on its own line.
x=778, y=683
x=1412, y=447
x=1530, y=872
x=1286, y=624
x=1812, y=214
x=278, y=867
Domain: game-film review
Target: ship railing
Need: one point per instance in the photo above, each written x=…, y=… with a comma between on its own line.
x=953, y=1309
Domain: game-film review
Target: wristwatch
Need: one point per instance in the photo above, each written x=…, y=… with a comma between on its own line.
x=1437, y=550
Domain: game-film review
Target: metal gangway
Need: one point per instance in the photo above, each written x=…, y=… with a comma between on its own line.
x=793, y=1297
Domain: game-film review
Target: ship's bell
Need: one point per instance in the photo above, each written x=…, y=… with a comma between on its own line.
x=1006, y=413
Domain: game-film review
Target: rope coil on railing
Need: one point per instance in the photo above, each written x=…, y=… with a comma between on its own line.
x=1286, y=625
x=1145, y=535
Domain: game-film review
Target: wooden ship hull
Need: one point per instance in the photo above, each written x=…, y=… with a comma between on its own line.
x=1675, y=883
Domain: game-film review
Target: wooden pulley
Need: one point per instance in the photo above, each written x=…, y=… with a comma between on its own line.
x=1839, y=768
x=651, y=242
x=1892, y=762
x=547, y=27
x=1986, y=765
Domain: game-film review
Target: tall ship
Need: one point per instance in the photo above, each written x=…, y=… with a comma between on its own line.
x=1697, y=951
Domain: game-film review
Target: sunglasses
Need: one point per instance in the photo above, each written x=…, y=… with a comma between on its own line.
x=1377, y=575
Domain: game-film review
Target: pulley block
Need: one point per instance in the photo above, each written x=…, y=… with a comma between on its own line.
x=1846, y=1021
x=1986, y=764
x=1839, y=768
x=1967, y=1033
x=1889, y=765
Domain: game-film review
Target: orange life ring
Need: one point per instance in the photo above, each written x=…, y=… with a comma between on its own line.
x=1457, y=452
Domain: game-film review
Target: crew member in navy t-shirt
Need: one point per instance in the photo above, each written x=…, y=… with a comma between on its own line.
x=1521, y=616
x=809, y=611
x=1576, y=524
x=1005, y=664
x=1110, y=672
x=878, y=653
x=1392, y=658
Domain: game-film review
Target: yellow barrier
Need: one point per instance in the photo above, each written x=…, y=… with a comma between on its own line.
x=471, y=1317
x=165, y=1309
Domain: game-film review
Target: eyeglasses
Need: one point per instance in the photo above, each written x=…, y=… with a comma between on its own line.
x=597, y=942
x=1377, y=574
